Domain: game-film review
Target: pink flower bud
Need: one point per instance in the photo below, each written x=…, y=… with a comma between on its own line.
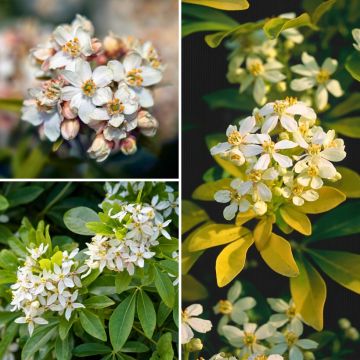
x=147, y=124
x=113, y=46
x=128, y=145
x=67, y=112
x=100, y=148
x=70, y=128
x=96, y=45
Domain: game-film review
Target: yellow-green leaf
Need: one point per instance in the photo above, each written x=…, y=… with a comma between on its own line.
x=342, y=267
x=214, y=235
x=57, y=258
x=296, y=219
x=192, y=215
x=308, y=291
x=329, y=198
x=229, y=5
x=231, y=260
x=45, y=264
x=192, y=289
x=229, y=167
x=349, y=184
x=278, y=256
x=323, y=8
x=349, y=126
x=207, y=191
x=244, y=217
x=262, y=232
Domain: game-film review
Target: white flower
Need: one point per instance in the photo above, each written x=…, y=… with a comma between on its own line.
x=137, y=76
x=189, y=321
x=293, y=35
x=248, y=339
x=71, y=305
x=222, y=356
x=160, y=225
x=265, y=357
x=258, y=73
x=319, y=77
x=173, y=205
x=356, y=36
x=61, y=276
x=31, y=320
x=85, y=90
x=291, y=341
x=284, y=110
x=74, y=43
x=38, y=252
x=286, y=312
x=139, y=254
x=236, y=196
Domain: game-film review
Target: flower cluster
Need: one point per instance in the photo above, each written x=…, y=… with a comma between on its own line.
x=47, y=285
x=104, y=86
x=137, y=227
x=254, y=61
x=283, y=156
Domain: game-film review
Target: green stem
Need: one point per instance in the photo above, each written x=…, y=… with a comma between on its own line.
x=186, y=354
x=143, y=334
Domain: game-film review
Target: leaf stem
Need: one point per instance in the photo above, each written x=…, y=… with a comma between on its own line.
x=142, y=333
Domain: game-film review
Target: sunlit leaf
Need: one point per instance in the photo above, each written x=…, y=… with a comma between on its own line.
x=262, y=232
x=349, y=126
x=308, y=291
x=322, y=9
x=231, y=260
x=278, y=256
x=350, y=104
x=207, y=191
x=221, y=4
x=244, y=217
x=352, y=65
x=296, y=219
x=192, y=215
x=349, y=183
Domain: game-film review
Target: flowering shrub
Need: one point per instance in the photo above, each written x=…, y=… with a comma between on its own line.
x=105, y=87
x=114, y=294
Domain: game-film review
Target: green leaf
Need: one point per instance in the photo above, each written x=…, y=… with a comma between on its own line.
x=134, y=347
x=171, y=266
x=8, y=260
x=164, y=347
x=65, y=326
x=11, y=104
x=146, y=313
x=309, y=293
x=214, y=40
x=63, y=349
x=350, y=104
x=342, y=267
x=229, y=5
x=5, y=234
x=41, y=336
x=122, y=281
x=99, y=228
x=165, y=287
x=337, y=222
x=24, y=195
x=323, y=8
x=7, y=316
x=90, y=349
x=98, y=302
x=274, y=27
x=200, y=26
x=229, y=99
x=349, y=126
x=7, y=277
x=352, y=65
x=8, y=337
x=77, y=218
x=121, y=322
x=92, y=324
x=4, y=204
x=162, y=314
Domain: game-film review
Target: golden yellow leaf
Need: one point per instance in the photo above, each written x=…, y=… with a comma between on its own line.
x=211, y=235
x=192, y=289
x=278, y=255
x=308, y=291
x=262, y=232
x=244, y=217
x=207, y=190
x=231, y=260
x=229, y=5
x=229, y=167
x=296, y=219
x=349, y=184
x=192, y=215
x=329, y=198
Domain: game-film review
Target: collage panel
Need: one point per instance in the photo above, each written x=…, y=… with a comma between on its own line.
x=89, y=270
x=270, y=183
x=89, y=89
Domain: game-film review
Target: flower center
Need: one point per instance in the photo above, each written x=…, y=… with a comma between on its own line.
x=261, y=357
x=249, y=339
x=184, y=316
x=291, y=100
x=256, y=68
x=52, y=90
x=259, y=119
x=291, y=311
x=235, y=138
x=235, y=196
x=72, y=47
x=134, y=77
x=225, y=307
x=280, y=107
x=89, y=88
x=322, y=76
x=115, y=107
x=255, y=175
x=291, y=338
x=313, y=170
x=298, y=190
x=269, y=146
x=314, y=149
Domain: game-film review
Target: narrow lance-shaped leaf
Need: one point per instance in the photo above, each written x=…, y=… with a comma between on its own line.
x=165, y=287
x=146, y=313
x=92, y=324
x=231, y=5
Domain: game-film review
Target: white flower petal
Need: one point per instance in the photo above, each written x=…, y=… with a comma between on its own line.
x=330, y=65
x=102, y=76
x=334, y=88
x=117, y=70
x=270, y=124
x=285, y=144
x=150, y=76
x=102, y=96
x=283, y=160
x=321, y=97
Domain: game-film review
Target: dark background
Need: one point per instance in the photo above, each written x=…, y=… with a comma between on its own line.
x=204, y=71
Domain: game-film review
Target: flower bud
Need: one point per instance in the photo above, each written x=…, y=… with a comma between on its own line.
x=352, y=334
x=70, y=128
x=260, y=208
x=194, y=345
x=147, y=124
x=100, y=148
x=96, y=45
x=308, y=355
x=67, y=112
x=113, y=45
x=281, y=86
x=236, y=157
x=289, y=44
x=128, y=145
x=344, y=323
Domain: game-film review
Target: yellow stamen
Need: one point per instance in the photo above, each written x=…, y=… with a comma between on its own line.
x=225, y=307
x=256, y=67
x=115, y=107
x=322, y=76
x=235, y=138
x=89, y=88
x=72, y=47
x=134, y=77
